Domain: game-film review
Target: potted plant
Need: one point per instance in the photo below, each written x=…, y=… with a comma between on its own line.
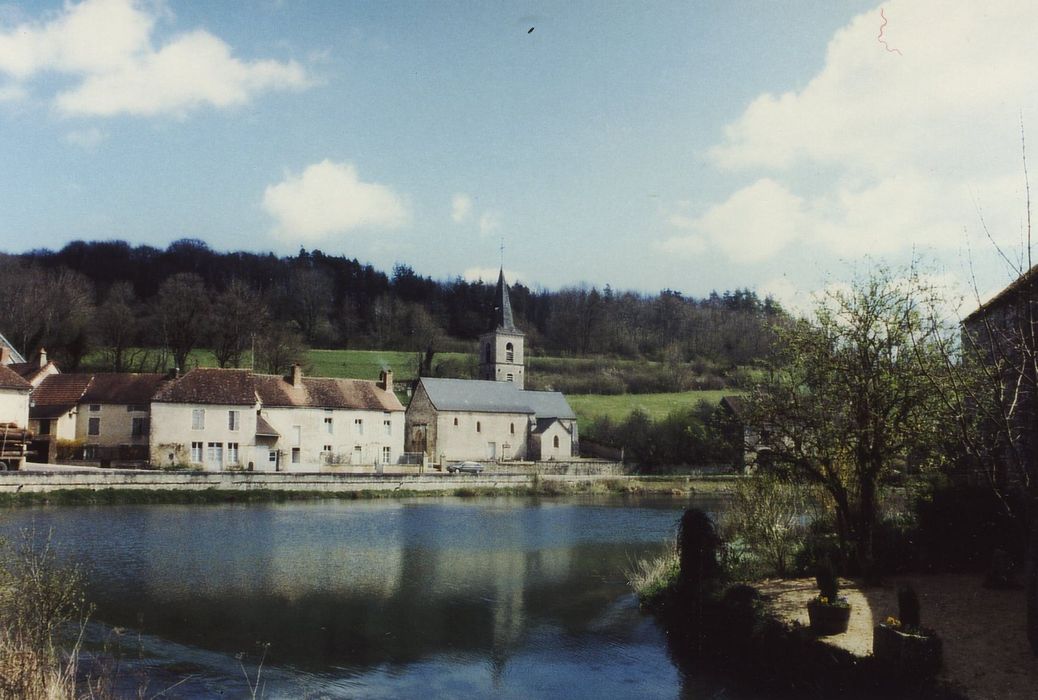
x=829, y=612
x=903, y=643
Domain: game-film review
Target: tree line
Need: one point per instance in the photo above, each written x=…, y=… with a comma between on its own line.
x=126, y=302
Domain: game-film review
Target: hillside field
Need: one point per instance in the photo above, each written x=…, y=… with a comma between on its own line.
x=657, y=406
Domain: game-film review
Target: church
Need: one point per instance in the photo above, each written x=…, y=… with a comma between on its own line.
x=493, y=418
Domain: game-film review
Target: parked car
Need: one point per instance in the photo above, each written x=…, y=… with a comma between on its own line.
x=465, y=468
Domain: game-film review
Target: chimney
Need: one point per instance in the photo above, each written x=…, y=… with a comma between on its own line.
x=5, y=355
x=297, y=376
x=385, y=379
x=43, y=358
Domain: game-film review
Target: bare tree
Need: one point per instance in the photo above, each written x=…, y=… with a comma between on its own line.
x=239, y=313
x=118, y=326
x=278, y=348
x=182, y=312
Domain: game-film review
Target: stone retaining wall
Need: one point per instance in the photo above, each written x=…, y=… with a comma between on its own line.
x=29, y=481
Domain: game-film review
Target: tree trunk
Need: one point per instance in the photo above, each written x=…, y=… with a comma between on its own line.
x=866, y=532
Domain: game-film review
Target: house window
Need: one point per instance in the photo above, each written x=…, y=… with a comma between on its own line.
x=357, y=454
x=510, y=377
x=295, y=455
x=233, y=420
x=139, y=427
x=232, y=453
x=509, y=354
x=555, y=441
x=272, y=457
x=95, y=407
x=385, y=455
x=455, y=422
x=358, y=423
x=327, y=448
x=94, y=426
x=44, y=427
x=328, y=425
x=216, y=453
x=479, y=427
x=196, y=452
x=197, y=419
x=89, y=451
x=387, y=426
x=511, y=428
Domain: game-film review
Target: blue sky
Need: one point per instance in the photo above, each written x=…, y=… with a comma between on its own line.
x=688, y=145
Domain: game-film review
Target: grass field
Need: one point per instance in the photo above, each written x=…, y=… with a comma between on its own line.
x=617, y=407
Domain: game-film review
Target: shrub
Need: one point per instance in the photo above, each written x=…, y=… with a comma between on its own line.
x=765, y=515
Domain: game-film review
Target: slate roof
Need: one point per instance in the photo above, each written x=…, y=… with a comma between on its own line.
x=325, y=392
x=57, y=394
x=15, y=355
x=545, y=423
x=206, y=385
x=503, y=320
x=123, y=388
x=485, y=396
x=1020, y=284
x=9, y=379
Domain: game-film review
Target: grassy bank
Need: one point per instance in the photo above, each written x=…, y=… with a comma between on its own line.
x=670, y=486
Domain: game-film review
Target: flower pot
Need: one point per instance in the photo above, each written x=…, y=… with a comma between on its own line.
x=828, y=619
x=907, y=652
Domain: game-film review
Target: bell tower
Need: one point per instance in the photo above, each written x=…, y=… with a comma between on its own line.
x=501, y=349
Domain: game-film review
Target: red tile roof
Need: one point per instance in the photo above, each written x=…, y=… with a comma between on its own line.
x=29, y=371
x=123, y=388
x=57, y=394
x=232, y=387
x=10, y=379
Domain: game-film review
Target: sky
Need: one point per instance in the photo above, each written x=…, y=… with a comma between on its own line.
x=783, y=147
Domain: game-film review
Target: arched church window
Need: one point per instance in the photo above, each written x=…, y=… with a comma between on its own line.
x=509, y=353
x=555, y=441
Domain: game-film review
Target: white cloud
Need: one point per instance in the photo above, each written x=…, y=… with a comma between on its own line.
x=108, y=46
x=489, y=274
x=329, y=198
x=461, y=208
x=488, y=223
x=88, y=139
x=882, y=152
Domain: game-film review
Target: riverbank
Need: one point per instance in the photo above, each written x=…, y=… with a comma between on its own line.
x=131, y=486
x=986, y=654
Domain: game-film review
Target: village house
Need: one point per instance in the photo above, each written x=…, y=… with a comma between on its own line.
x=14, y=417
x=493, y=418
x=101, y=417
x=1005, y=331
x=221, y=419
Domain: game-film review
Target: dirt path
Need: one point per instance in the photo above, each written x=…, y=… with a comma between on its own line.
x=985, y=643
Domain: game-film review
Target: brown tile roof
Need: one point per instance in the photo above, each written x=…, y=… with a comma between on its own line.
x=123, y=388
x=57, y=394
x=265, y=429
x=326, y=392
x=10, y=379
x=29, y=371
x=1023, y=283
x=233, y=387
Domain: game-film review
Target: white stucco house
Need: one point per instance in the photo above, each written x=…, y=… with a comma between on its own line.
x=221, y=419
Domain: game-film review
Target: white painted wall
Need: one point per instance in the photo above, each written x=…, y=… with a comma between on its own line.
x=464, y=441
x=14, y=407
x=172, y=435
x=305, y=429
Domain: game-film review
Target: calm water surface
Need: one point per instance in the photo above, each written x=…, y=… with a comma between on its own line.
x=497, y=597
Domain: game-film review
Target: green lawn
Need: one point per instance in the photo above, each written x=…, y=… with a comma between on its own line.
x=591, y=406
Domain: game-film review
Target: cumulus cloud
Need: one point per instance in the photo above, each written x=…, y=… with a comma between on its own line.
x=107, y=46
x=329, y=198
x=882, y=152
x=488, y=223
x=489, y=274
x=461, y=208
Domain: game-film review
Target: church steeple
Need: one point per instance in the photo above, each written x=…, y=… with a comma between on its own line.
x=501, y=349
x=502, y=306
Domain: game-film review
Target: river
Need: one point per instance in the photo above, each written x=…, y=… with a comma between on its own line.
x=487, y=597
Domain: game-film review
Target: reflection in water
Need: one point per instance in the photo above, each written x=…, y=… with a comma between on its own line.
x=490, y=596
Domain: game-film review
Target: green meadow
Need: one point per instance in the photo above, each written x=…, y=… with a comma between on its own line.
x=657, y=406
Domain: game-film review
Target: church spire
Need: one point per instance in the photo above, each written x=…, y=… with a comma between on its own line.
x=503, y=306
